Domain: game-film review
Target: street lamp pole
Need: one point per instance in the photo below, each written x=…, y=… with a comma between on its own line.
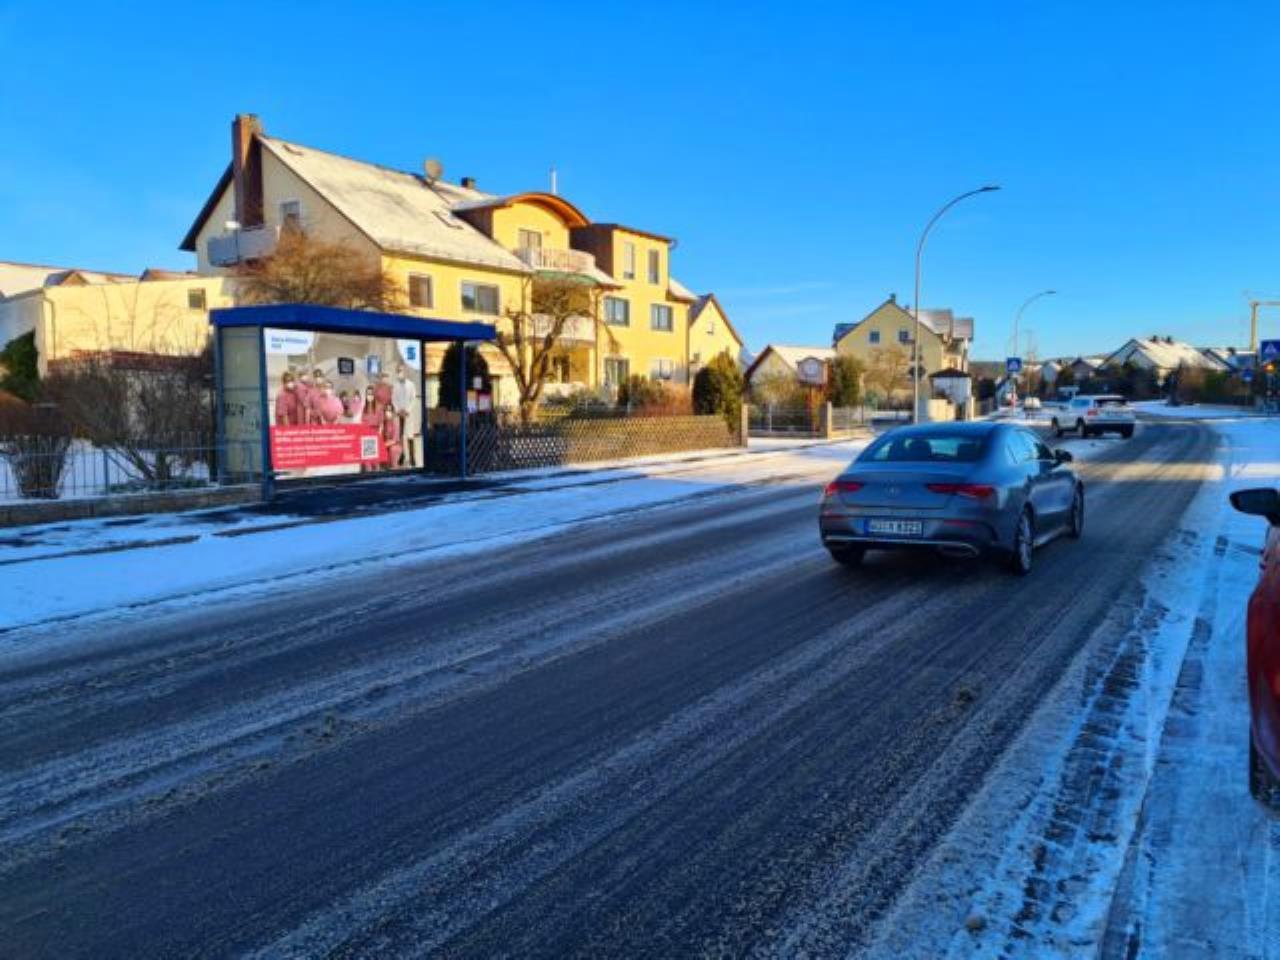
x=915, y=303
x=1017, y=320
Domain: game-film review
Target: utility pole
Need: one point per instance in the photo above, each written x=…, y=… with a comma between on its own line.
x=1253, y=320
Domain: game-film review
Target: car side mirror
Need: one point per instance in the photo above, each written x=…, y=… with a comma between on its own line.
x=1063, y=456
x=1260, y=502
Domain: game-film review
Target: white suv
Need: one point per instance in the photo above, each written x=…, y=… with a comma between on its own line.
x=1090, y=415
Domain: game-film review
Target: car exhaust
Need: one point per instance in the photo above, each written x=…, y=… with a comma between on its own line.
x=958, y=550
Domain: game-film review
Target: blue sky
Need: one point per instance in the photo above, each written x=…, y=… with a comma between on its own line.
x=794, y=150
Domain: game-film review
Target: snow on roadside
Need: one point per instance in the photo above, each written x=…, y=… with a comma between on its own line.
x=61, y=587
x=1041, y=863
x=1198, y=411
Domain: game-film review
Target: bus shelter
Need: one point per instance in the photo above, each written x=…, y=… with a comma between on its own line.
x=306, y=391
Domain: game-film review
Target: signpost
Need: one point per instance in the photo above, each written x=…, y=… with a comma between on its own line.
x=1013, y=366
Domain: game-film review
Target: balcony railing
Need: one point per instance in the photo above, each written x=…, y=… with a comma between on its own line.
x=576, y=330
x=250, y=243
x=560, y=261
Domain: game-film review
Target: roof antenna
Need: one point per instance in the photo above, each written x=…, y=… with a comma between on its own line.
x=553, y=179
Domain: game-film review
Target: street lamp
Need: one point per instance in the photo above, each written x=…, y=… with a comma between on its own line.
x=1017, y=320
x=915, y=303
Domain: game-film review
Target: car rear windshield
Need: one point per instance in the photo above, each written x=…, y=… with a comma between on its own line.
x=941, y=446
x=1111, y=401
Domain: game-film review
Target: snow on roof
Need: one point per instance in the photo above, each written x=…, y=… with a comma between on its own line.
x=1166, y=353
x=681, y=292
x=792, y=355
x=398, y=211
x=16, y=278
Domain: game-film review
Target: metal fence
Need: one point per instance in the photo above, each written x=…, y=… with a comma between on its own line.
x=52, y=467
x=494, y=445
x=765, y=420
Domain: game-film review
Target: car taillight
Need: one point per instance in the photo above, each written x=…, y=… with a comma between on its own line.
x=975, y=491
x=1091, y=413
x=841, y=486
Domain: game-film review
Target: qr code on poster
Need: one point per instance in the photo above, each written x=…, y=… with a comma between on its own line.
x=368, y=448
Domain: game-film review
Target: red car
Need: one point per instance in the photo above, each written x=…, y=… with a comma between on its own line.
x=1264, y=651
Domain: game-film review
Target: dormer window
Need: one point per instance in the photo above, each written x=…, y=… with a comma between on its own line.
x=530, y=239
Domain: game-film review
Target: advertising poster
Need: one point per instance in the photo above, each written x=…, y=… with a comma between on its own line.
x=343, y=404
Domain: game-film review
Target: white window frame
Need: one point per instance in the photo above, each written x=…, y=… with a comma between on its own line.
x=626, y=310
x=624, y=362
x=628, y=260
x=523, y=234
x=431, y=291
x=291, y=212
x=654, y=265
x=660, y=368
x=478, y=284
x=657, y=309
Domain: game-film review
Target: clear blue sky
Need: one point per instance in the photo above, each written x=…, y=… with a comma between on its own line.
x=795, y=150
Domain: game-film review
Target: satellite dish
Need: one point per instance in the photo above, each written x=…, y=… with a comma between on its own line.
x=434, y=169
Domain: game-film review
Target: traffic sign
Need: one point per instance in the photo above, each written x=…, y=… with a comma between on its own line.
x=1246, y=375
x=1269, y=350
x=1013, y=365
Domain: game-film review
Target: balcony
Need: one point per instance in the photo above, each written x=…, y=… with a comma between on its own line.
x=558, y=261
x=577, y=331
x=249, y=243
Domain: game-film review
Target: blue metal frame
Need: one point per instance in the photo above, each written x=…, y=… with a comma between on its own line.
x=306, y=316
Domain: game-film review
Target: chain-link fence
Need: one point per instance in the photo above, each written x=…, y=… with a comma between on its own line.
x=58, y=467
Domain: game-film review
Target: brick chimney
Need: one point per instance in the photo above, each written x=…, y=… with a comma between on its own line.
x=246, y=169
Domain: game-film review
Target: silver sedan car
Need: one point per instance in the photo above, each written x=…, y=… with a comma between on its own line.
x=962, y=489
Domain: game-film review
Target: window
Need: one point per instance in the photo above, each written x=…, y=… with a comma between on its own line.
x=940, y=445
x=660, y=317
x=480, y=298
x=662, y=369
x=655, y=266
x=628, y=261
x=421, y=292
x=1022, y=447
x=875, y=336
x=616, y=371
x=530, y=239
x=195, y=298
x=291, y=214
x=904, y=335
x=617, y=312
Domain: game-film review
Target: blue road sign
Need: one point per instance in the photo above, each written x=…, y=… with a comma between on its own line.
x=1246, y=375
x=1269, y=350
x=1013, y=365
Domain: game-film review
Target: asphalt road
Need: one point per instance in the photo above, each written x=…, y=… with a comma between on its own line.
x=687, y=734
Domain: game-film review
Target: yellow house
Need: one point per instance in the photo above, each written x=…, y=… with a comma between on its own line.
x=465, y=255
x=884, y=337
x=76, y=313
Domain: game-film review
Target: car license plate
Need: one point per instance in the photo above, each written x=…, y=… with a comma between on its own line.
x=898, y=528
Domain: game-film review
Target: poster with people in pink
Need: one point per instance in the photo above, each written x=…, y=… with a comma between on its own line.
x=343, y=403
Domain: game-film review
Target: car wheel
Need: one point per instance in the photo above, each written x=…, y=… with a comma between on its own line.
x=1262, y=785
x=1081, y=427
x=1024, y=542
x=1076, y=528
x=1127, y=432
x=847, y=556
x=1057, y=428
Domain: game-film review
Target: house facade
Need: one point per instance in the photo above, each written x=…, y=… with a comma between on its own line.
x=461, y=254
x=781, y=369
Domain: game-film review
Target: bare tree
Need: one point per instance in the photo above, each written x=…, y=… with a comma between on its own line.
x=155, y=413
x=306, y=269
x=887, y=370
x=531, y=335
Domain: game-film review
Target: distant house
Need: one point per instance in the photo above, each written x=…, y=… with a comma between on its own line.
x=76, y=313
x=804, y=367
x=944, y=337
x=1164, y=355
x=711, y=332
x=1049, y=370
x=1236, y=360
